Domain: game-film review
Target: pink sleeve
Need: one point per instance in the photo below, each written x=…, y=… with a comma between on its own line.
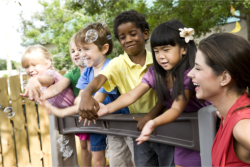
x=54, y=74
x=149, y=77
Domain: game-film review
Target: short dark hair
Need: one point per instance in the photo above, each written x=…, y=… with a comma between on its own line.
x=130, y=16
x=103, y=33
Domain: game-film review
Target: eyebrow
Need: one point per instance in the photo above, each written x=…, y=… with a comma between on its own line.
x=197, y=64
x=163, y=46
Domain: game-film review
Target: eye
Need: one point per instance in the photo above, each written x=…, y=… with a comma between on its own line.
x=165, y=50
x=79, y=50
x=134, y=34
x=122, y=37
x=156, y=51
x=197, y=69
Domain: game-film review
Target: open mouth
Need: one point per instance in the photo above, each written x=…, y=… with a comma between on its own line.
x=164, y=64
x=197, y=86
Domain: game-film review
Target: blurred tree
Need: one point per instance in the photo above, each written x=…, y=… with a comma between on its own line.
x=61, y=19
x=3, y=65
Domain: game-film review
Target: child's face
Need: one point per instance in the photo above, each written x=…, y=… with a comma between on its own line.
x=92, y=54
x=131, y=38
x=168, y=56
x=33, y=69
x=75, y=54
x=208, y=85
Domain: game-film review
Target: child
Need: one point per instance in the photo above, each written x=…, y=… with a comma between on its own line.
x=126, y=72
x=95, y=49
x=70, y=79
x=173, y=55
x=37, y=62
x=221, y=74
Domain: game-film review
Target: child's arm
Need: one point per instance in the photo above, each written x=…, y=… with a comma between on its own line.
x=33, y=90
x=168, y=116
x=56, y=89
x=88, y=106
x=124, y=100
x=151, y=115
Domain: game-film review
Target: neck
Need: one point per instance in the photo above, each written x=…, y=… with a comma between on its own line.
x=224, y=102
x=81, y=69
x=98, y=67
x=139, y=58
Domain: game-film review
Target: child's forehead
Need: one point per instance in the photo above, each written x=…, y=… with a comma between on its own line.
x=127, y=27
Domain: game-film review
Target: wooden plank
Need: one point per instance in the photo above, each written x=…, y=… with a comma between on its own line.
x=45, y=136
x=78, y=150
x=62, y=72
x=34, y=140
x=19, y=121
x=7, y=141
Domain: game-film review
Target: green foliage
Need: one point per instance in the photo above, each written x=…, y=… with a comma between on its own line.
x=3, y=64
x=62, y=19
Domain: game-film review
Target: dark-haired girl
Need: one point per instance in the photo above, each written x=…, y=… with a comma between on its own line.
x=221, y=74
x=173, y=55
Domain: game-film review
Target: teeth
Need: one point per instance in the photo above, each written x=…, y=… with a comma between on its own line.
x=196, y=84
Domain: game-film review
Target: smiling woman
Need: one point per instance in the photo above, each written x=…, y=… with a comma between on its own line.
x=221, y=74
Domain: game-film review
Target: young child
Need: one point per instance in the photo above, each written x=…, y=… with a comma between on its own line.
x=173, y=54
x=221, y=74
x=125, y=72
x=70, y=79
x=37, y=62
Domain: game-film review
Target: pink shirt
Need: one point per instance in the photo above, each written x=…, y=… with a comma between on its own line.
x=65, y=98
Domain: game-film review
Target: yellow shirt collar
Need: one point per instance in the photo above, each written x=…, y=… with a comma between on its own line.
x=149, y=59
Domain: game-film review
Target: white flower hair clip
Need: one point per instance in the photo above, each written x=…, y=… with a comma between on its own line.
x=187, y=33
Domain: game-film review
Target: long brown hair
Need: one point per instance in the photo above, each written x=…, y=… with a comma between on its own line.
x=231, y=53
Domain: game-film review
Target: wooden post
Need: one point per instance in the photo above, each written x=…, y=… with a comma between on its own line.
x=7, y=141
x=78, y=148
x=45, y=136
x=33, y=130
x=19, y=122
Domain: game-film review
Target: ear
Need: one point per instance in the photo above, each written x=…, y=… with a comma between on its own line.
x=146, y=34
x=48, y=64
x=105, y=48
x=226, y=78
x=184, y=50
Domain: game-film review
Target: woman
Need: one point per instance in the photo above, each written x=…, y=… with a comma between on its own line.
x=222, y=75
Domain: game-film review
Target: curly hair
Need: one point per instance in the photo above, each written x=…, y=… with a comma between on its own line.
x=130, y=16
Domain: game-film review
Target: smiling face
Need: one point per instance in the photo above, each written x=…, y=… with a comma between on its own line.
x=208, y=85
x=33, y=67
x=131, y=38
x=76, y=54
x=168, y=56
x=92, y=54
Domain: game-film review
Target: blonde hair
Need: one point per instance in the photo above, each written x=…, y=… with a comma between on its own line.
x=38, y=54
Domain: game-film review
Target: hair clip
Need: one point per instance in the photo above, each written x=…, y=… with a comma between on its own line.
x=187, y=34
x=108, y=37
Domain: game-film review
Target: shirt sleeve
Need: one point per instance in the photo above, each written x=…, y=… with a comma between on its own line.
x=149, y=77
x=187, y=82
x=83, y=80
x=112, y=75
x=54, y=74
x=69, y=75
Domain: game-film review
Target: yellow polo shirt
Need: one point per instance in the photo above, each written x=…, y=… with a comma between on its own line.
x=126, y=75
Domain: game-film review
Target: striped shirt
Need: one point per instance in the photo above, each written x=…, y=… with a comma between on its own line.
x=65, y=98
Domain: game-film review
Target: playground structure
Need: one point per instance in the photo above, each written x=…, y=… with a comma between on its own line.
x=30, y=137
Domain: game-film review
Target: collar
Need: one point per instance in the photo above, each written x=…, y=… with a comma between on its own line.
x=149, y=59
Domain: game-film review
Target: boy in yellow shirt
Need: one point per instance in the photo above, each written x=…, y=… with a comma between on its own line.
x=125, y=72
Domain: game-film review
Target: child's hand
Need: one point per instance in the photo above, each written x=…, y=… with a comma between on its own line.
x=141, y=122
x=103, y=110
x=34, y=89
x=146, y=132
x=86, y=121
x=218, y=114
x=88, y=107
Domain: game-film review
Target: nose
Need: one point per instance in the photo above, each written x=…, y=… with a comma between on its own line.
x=31, y=68
x=128, y=38
x=191, y=73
